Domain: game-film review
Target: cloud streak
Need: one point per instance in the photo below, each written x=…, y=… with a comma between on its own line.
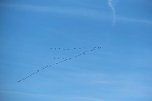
x=87, y=77
x=50, y=96
x=110, y=4
x=87, y=13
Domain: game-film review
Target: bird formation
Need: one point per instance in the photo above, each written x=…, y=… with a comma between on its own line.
x=69, y=49
x=58, y=58
x=65, y=49
x=59, y=62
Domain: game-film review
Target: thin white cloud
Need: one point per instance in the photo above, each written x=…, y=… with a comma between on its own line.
x=102, y=82
x=46, y=9
x=80, y=98
x=110, y=4
x=50, y=96
x=86, y=77
x=134, y=20
x=91, y=14
x=20, y=93
x=82, y=77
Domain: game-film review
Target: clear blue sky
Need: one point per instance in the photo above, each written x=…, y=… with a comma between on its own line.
x=120, y=71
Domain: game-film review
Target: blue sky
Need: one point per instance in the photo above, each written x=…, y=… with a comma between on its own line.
x=119, y=71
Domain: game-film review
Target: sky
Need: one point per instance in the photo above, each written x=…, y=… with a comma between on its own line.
x=75, y=50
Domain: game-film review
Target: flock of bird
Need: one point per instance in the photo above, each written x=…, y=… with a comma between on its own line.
x=70, y=49
x=66, y=49
x=59, y=62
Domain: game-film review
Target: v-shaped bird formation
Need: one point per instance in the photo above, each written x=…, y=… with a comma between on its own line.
x=61, y=60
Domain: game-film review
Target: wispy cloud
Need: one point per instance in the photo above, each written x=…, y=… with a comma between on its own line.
x=55, y=9
x=134, y=20
x=83, y=77
x=80, y=98
x=21, y=93
x=88, y=13
x=88, y=77
x=110, y=4
x=50, y=96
